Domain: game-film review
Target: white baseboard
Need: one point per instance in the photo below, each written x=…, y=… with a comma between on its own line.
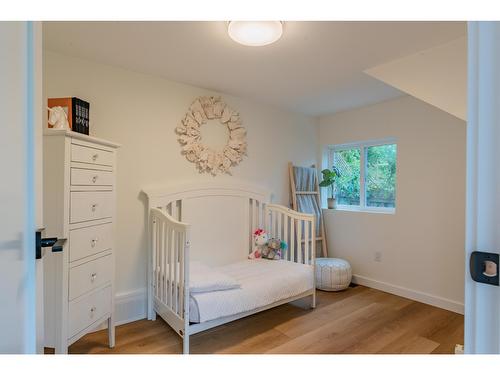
x=129, y=307
x=415, y=295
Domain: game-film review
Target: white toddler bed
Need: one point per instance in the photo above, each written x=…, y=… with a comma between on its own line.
x=221, y=221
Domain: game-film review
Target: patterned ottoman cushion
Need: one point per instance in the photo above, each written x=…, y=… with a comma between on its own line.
x=332, y=274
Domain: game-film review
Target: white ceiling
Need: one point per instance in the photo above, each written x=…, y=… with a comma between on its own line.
x=316, y=68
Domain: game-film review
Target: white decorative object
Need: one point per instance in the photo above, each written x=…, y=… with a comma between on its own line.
x=58, y=118
x=80, y=189
x=222, y=218
x=333, y=274
x=206, y=158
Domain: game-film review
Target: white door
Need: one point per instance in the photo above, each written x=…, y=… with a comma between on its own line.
x=482, y=301
x=17, y=189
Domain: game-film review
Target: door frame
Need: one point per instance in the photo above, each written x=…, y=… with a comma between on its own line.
x=482, y=301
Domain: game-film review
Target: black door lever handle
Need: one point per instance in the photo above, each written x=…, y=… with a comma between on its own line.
x=57, y=244
x=57, y=247
x=48, y=242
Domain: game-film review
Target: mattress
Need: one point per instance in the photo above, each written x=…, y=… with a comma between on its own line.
x=263, y=282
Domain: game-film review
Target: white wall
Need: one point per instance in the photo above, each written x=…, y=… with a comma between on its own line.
x=141, y=112
x=422, y=244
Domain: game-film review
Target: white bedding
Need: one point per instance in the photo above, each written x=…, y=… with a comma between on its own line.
x=204, y=279
x=262, y=282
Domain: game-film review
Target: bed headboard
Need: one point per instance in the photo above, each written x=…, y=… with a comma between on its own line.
x=222, y=216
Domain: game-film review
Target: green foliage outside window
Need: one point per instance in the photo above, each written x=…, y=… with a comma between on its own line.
x=380, y=175
x=347, y=185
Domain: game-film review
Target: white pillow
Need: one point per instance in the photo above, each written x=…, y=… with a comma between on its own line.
x=204, y=279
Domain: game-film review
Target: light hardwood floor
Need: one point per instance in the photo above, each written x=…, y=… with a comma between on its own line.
x=358, y=320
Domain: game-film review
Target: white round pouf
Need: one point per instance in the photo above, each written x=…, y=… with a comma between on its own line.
x=332, y=274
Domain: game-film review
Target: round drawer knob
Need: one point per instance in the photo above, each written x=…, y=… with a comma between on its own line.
x=93, y=242
x=94, y=157
x=93, y=277
x=94, y=179
x=94, y=206
x=93, y=310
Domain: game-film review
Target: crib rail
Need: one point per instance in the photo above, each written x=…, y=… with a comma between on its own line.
x=169, y=269
x=297, y=229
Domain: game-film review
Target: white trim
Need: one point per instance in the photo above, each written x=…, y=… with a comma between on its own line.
x=472, y=181
x=130, y=306
x=371, y=210
x=412, y=294
x=482, y=323
x=360, y=144
x=362, y=172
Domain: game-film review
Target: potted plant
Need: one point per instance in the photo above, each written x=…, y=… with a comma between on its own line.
x=329, y=178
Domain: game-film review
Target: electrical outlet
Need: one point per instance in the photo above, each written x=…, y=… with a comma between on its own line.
x=378, y=256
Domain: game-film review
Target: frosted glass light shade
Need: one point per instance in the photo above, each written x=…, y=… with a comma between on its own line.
x=255, y=33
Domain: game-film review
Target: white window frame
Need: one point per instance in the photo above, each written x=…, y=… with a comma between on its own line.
x=363, y=147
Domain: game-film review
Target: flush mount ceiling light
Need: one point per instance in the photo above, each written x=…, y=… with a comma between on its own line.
x=255, y=33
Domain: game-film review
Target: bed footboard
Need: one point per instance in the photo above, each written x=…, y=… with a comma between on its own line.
x=168, y=276
x=297, y=229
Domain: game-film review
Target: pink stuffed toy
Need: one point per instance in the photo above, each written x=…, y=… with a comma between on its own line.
x=260, y=239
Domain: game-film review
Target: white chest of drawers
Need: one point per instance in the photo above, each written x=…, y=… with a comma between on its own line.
x=79, y=205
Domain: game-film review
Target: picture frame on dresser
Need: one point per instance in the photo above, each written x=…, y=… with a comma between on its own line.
x=79, y=205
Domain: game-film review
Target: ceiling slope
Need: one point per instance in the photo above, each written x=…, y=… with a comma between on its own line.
x=437, y=76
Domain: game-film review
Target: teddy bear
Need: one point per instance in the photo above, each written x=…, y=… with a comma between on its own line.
x=260, y=239
x=266, y=248
x=274, y=249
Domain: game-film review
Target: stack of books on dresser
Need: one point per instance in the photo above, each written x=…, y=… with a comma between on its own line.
x=77, y=111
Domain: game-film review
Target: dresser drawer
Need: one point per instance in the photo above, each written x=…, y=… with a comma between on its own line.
x=90, y=205
x=91, y=155
x=85, y=311
x=90, y=177
x=90, y=275
x=88, y=241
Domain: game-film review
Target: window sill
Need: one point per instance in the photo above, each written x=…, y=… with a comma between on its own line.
x=387, y=211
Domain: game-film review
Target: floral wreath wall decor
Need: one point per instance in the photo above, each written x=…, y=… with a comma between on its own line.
x=206, y=158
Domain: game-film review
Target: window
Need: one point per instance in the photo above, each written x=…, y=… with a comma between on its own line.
x=347, y=186
x=367, y=175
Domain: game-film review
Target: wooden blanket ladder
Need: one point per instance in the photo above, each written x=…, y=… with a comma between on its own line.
x=314, y=195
